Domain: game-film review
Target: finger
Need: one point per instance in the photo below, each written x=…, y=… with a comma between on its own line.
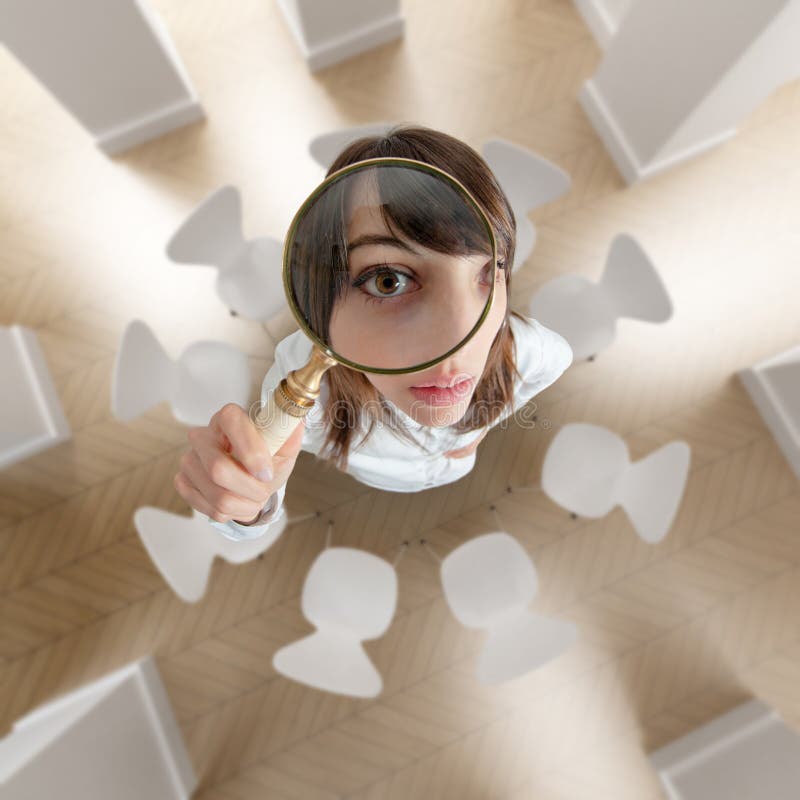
x=247, y=445
x=196, y=500
x=225, y=471
x=286, y=457
x=220, y=499
x=291, y=447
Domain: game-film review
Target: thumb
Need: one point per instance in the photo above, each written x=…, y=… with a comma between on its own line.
x=291, y=447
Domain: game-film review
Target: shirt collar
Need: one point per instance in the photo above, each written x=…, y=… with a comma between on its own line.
x=405, y=419
x=440, y=434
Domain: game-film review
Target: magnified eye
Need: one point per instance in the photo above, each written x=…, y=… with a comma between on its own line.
x=385, y=283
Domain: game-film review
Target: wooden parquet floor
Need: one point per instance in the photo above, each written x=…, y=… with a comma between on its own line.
x=672, y=634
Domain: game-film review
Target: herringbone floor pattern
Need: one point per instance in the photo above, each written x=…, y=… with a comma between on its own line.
x=672, y=634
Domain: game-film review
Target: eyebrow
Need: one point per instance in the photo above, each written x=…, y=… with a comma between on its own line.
x=368, y=239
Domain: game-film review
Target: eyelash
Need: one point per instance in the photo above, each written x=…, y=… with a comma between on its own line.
x=385, y=267
x=380, y=269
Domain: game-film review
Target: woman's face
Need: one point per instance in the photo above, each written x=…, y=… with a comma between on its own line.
x=406, y=304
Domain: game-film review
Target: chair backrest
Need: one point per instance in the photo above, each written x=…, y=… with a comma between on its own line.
x=582, y=467
x=632, y=283
x=487, y=577
x=326, y=147
x=528, y=180
x=651, y=489
x=332, y=662
x=212, y=233
x=350, y=590
x=521, y=643
x=143, y=374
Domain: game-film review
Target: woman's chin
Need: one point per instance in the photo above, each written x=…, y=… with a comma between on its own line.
x=439, y=416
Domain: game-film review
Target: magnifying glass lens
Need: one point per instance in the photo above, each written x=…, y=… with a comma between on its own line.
x=390, y=264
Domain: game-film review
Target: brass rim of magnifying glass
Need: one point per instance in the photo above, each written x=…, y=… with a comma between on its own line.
x=332, y=178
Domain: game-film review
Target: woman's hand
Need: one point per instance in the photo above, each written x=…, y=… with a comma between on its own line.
x=229, y=473
x=461, y=452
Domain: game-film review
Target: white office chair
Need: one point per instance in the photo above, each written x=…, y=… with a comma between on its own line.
x=349, y=595
x=249, y=281
x=586, y=313
x=489, y=583
x=205, y=377
x=326, y=147
x=587, y=470
x=184, y=548
x=529, y=181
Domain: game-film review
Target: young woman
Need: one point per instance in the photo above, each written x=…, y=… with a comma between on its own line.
x=403, y=432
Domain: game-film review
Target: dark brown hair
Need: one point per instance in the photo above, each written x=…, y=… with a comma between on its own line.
x=352, y=398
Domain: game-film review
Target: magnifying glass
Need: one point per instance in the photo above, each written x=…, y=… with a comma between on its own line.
x=389, y=268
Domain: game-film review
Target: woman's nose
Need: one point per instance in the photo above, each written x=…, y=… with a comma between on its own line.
x=460, y=307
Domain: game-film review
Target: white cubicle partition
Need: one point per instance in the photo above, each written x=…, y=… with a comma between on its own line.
x=602, y=17
x=112, y=66
x=113, y=739
x=327, y=33
x=31, y=416
x=748, y=753
x=678, y=77
x=774, y=386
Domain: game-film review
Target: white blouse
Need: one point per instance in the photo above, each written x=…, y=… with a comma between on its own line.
x=388, y=462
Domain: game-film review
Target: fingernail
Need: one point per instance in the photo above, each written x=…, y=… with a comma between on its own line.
x=265, y=475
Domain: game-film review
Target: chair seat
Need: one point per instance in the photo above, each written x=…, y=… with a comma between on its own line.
x=486, y=576
x=582, y=467
x=210, y=375
x=253, y=284
x=350, y=589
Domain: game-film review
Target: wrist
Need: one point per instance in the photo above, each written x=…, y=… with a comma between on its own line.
x=266, y=510
x=249, y=522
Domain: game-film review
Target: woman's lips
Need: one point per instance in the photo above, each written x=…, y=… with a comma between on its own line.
x=437, y=396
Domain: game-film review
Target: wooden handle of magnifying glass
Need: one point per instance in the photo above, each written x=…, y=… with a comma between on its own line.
x=291, y=400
